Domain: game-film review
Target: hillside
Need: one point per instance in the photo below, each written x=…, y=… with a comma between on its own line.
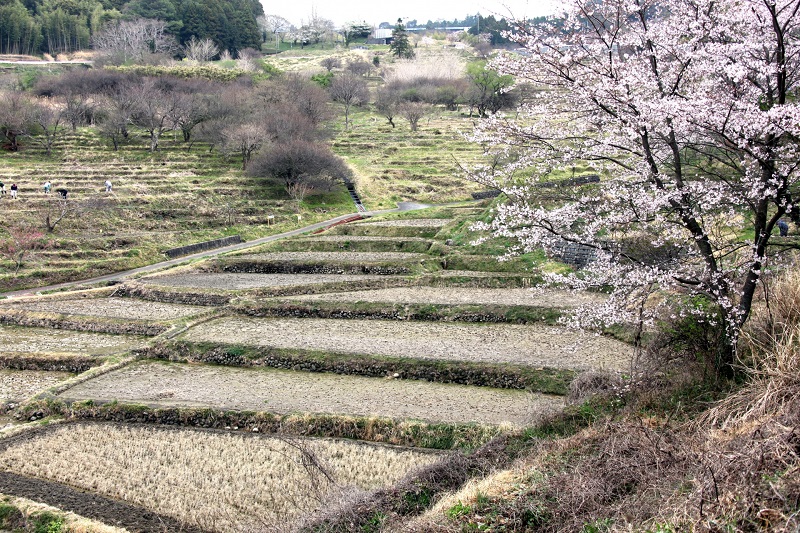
x=34, y=27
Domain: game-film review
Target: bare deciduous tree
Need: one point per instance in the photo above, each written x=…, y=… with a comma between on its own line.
x=155, y=108
x=413, y=112
x=201, y=50
x=15, y=117
x=359, y=67
x=244, y=139
x=386, y=104
x=47, y=117
x=330, y=63
x=300, y=162
x=134, y=40
x=349, y=90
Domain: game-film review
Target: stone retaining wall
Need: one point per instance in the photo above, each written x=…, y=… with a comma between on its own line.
x=75, y=364
x=286, y=267
x=203, y=246
x=146, y=292
x=38, y=320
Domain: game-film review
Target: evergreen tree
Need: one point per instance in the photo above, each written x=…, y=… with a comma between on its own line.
x=19, y=32
x=401, y=46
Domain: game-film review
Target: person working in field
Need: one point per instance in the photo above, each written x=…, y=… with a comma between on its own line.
x=108, y=185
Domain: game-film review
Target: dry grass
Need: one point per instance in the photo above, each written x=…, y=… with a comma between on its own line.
x=736, y=467
x=221, y=482
x=440, y=65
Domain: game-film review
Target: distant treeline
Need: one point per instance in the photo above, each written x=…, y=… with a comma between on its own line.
x=495, y=28
x=57, y=26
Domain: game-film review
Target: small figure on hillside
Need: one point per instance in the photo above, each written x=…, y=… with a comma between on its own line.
x=62, y=193
x=14, y=189
x=108, y=185
x=783, y=227
x=47, y=187
x=2, y=189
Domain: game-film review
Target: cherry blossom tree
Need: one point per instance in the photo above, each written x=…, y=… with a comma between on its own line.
x=687, y=110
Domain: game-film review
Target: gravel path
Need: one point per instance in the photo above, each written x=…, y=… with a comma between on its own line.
x=33, y=340
x=284, y=391
x=338, y=257
x=410, y=223
x=534, y=345
x=457, y=295
x=127, y=308
x=233, y=281
x=20, y=385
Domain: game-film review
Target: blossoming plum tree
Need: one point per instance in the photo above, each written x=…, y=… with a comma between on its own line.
x=688, y=110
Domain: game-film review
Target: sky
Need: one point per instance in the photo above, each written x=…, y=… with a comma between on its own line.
x=377, y=11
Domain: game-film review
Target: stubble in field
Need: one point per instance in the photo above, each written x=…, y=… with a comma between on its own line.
x=220, y=482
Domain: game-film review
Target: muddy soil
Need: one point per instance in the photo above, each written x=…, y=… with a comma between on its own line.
x=230, y=281
x=126, y=308
x=285, y=391
x=18, y=385
x=14, y=339
x=460, y=296
x=531, y=344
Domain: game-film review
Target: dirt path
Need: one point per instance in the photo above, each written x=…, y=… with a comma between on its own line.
x=284, y=391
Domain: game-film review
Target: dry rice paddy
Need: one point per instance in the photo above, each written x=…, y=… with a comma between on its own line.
x=534, y=345
x=284, y=391
x=410, y=223
x=338, y=257
x=242, y=281
x=214, y=480
x=459, y=296
x=22, y=384
x=358, y=238
x=126, y=308
x=15, y=339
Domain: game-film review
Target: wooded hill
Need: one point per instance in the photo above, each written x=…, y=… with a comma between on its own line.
x=62, y=26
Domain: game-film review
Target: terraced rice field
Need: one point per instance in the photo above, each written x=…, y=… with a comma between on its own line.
x=337, y=257
x=19, y=385
x=534, y=345
x=284, y=391
x=409, y=223
x=124, y=308
x=14, y=339
x=242, y=281
x=217, y=481
x=359, y=238
x=459, y=296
